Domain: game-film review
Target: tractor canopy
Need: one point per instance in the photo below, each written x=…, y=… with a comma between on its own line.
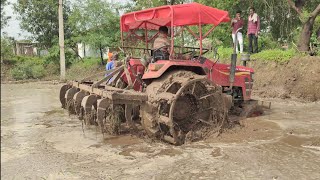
x=173, y=15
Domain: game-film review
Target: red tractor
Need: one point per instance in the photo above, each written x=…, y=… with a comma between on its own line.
x=167, y=98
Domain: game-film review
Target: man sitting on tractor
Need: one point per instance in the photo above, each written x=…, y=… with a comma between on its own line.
x=160, y=45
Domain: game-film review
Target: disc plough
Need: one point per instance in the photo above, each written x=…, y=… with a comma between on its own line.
x=168, y=108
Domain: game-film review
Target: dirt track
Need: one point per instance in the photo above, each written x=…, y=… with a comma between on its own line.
x=40, y=141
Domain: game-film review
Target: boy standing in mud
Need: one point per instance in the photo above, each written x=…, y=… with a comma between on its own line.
x=236, y=24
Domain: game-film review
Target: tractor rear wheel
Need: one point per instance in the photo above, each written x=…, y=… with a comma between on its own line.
x=181, y=102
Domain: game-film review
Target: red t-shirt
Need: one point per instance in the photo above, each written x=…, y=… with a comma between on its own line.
x=236, y=25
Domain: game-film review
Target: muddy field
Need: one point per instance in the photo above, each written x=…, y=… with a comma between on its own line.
x=296, y=79
x=40, y=141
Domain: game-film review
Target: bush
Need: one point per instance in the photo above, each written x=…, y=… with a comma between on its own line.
x=6, y=48
x=18, y=73
x=89, y=62
x=28, y=68
x=30, y=59
x=276, y=55
x=52, y=69
x=22, y=71
x=84, y=68
x=54, y=56
x=225, y=53
x=267, y=42
x=37, y=71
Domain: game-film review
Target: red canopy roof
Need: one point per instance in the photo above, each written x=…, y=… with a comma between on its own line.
x=175, y=15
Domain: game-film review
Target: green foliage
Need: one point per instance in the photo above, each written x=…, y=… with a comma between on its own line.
x=54, y=56
x=266, y=41
x=276, y=55
x=87, y=63
x=29, y=59
x=84, y=68
x=37, y=71
x=52, y=69
x=225, y=53
x=4, y=18
x=276, y=16
x=143, y=4
x=28, y=68
x=96, y=23
x=40, y=18
x=6, y=48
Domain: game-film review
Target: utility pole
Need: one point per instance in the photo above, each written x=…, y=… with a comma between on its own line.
x=61, y=44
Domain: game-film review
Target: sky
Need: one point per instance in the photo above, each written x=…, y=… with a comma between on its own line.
x=13, y=28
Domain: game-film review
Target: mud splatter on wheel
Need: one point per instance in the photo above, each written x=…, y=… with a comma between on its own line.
x=70, y=106
x=113, y=120
x=88, y=109
x=111, y=116
x=180, y=102
x=62, y=94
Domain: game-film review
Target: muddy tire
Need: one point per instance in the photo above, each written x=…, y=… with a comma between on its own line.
x=180, y=102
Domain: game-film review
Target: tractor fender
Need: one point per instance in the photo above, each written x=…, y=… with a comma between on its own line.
x=157, y=69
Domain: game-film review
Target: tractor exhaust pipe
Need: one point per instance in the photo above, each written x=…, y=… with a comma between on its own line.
x=233, y=60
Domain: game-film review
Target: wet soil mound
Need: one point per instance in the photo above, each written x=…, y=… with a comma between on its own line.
x=298, y=78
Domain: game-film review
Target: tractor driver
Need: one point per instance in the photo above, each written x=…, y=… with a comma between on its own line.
x=161, y=44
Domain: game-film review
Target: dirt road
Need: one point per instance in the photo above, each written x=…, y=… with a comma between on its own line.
x=40, y=141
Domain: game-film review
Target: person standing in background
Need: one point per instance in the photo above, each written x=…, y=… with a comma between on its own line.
x=237, y=23
x=113, y=63
x=253, y=30
x=109, y=56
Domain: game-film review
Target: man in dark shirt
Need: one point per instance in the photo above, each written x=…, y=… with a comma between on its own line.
x=237, y=23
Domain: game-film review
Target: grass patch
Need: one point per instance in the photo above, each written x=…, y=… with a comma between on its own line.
x=87, y=62
x=275, y=55
x=225, y=53
x=27, y=68
x=84, y=68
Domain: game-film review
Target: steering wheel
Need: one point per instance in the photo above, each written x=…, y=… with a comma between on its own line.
x=161, y=52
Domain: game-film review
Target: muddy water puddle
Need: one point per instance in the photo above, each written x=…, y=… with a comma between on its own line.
x=42, y=141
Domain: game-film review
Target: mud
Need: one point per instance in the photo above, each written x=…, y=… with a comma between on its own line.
x=297, y=79
x=40, y=141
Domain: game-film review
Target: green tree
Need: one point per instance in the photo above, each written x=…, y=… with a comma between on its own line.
x=6, y=47
x=4, y=18
x=40, y=18
x=142, y=4
x=307, y=11
x=96, y=23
